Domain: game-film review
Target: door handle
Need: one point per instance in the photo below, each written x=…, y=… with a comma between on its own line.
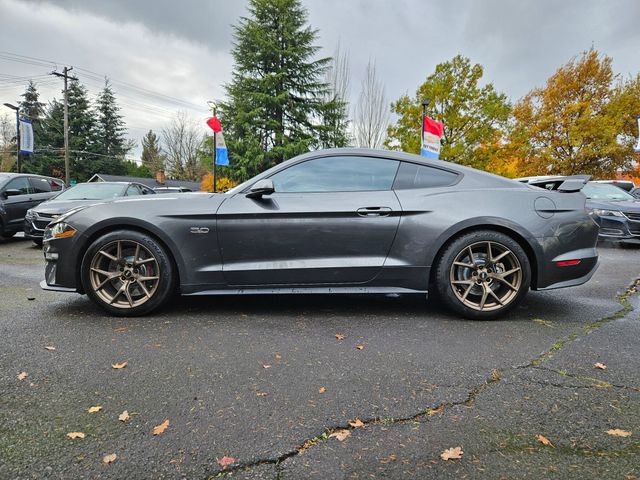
x=374, y=211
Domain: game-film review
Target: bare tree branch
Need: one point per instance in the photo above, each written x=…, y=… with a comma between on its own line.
x=372, y=111
x=181, y=141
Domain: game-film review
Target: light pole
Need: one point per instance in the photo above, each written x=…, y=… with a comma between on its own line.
x=212, y=105
x=425, y=103
x=17, y=110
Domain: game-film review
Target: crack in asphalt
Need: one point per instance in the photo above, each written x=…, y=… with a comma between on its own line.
x=473, y=393
x=595, y=382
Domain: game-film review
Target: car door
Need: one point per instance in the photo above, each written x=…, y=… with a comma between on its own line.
x=16, y=206
x=41, y=188
x=330, y=221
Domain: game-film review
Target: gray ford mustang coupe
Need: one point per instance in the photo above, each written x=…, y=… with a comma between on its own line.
x=331, y=221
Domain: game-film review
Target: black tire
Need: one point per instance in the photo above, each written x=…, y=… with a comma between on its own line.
x=153, y=262
x=482, y=289
x=7, y=235
x=37, y=241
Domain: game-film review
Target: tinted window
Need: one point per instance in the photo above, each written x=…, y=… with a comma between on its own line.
x=605, y=191
x=147, y=191
x=40, y=185
x=92, y=191
x=20, y=183
x=56, y=185
x=337, y=174
x=133, y=190
x=412, y=175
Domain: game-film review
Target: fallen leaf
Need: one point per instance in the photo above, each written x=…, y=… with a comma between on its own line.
x=278, y=356
x=109, y=458
x=161, y=428
x=322, y=390
x=340, y=336
x=601, y=366
x=544, y=440
x=434, y=411
x=357, y=423
x=118, y=366
x=452, y=454
x=121, y=329
x=74, y=435
x=124, y=416
x=50, y=348
x=261, y=394
x=23, y=375
x=340, y=435
x=226, y=461
x=95, y=409
x=359, y=347
x=616, y=432
x=266, y=366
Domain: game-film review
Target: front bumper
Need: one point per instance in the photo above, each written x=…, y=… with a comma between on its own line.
x=61, y=265
x=34, y=227
x=618, y=229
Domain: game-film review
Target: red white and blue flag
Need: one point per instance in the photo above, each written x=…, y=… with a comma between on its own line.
x=222, y=155
x=432, y=132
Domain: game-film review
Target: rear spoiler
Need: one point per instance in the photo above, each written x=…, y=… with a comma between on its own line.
x=568, y=184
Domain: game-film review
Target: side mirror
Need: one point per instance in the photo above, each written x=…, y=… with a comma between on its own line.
x=11, y=192
x=260, y=188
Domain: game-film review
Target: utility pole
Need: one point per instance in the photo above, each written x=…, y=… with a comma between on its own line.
x=66, y=77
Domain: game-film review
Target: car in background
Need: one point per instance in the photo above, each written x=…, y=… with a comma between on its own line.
x=635, y=192
x=331, y=221
x=172, y=190
x=611, y=207
x=20, y=192
x=82, y=194
x=626, y=185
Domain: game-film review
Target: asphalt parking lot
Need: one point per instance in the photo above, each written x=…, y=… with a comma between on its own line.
x=260, y=387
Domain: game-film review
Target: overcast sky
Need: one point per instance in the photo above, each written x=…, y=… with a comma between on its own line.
x=181, y=49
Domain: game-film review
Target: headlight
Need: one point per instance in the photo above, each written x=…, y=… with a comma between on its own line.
x=606, y=213
x=58, y=230
x=30, y=215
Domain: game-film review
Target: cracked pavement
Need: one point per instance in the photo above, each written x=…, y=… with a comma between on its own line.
x=425, y=381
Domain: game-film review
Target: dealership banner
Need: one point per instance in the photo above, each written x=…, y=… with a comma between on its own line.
x=26, y=136
x=222, y=155
x=432, y=132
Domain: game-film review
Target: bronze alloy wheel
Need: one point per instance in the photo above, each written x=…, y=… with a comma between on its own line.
x=486, y=276
x=124, y=274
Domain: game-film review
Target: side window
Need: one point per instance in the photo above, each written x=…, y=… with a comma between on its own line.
x=337, y=174
x=412, y=175
x=56, y=185
x=147, y=191
x=20, y=183
x=133, y=190
x=40, y=185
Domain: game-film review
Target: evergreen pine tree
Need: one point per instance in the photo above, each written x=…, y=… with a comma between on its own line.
x=111, y=127
x=276, y=98
x=152, y=156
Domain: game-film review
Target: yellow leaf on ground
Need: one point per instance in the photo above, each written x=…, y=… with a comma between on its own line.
x=340, y=336
x=452, y=453
x=340, y=435
x=357, y=423
x=226, y=461
x=359, y=347
x=50, y=348
x=109, y=458
x=22, y=376
x=118, y=366
x=95, y=409
x=261, y=394
x=161, y=428
x=544, y=440
x=124, y=416
x=278, y=356
x=74, y=435
x=601, y=366
x=322, y=390
x=616, y=432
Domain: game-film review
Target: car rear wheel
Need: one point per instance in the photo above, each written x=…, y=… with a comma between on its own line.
x=128, y=273
x=483, y=275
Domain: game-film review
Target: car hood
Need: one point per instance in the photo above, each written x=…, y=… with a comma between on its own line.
x=59, y=207
x=624, y=206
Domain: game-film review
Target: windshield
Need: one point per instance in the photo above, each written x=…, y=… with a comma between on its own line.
x=605, y=191
x=92, y=191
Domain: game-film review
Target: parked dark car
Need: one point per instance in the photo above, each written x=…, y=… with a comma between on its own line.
x=612, y=208
x=332, y=221
x=19, y=193
x=83, y=194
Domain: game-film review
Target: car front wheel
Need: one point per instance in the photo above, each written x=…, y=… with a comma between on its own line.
x=483, y=275
x=128, y=273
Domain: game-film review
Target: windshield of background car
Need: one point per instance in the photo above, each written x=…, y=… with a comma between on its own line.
x=605, y=191
x=92, y=191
